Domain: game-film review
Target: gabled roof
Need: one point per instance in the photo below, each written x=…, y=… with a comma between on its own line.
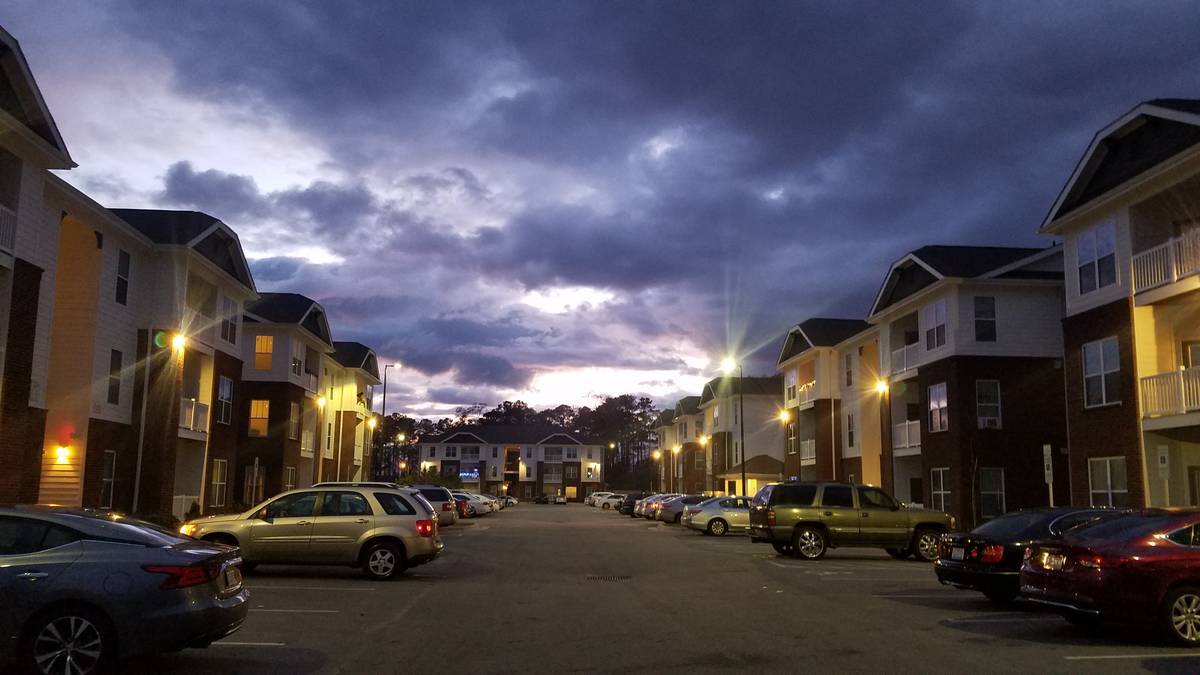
x=1141, y=139
x=514, y=434
x=731, y=386
x=205, y=234
x=688, y=405
x=819, y=332
x=357, y=355
x=665, y=419
x=291, y=308
x=21, y=98
x=930, y=264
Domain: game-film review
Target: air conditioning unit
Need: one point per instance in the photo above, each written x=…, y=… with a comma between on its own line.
x=989, y=422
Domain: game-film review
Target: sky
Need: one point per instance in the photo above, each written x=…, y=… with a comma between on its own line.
x=554, y=201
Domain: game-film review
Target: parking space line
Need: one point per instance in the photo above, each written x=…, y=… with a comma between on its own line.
x=947, y=594
x=230, y=643
x=1008, y=619
x=1117, y=657
x=254, y=587
x=298, y=611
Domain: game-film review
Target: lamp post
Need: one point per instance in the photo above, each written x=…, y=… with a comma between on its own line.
x=885, y=417
x=727, y=365
x=675, y=465
x=656, y=455
x=384, y=402
x=703, y=440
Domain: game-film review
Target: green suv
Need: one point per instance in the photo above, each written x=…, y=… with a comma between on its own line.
x=807, y=519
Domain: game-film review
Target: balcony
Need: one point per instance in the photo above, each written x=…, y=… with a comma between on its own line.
x=1167, y=263
x=552, y=477
x=906, y=435
x=807, y=393
x=905, y=358
x=8, y=230
x=193, y=415
x=310, y=381
x=553, y=457
x=1174, y=393
x=808, y=451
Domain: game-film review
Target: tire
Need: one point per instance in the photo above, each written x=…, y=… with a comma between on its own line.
x=925, y=544
x=899, y=553
x=383, y=561
x=717, y=527
x=1181, y=616
x=605, y=506
x=678, y=518
x=93, y=640
x=1001, y=596
x=809, y=543
x=782, y=549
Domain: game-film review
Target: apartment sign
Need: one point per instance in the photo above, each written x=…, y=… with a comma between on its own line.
x=469, y=476
x=1048, y=463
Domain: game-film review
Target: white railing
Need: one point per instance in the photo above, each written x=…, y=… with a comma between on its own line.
x=310, y=381
x=552, y=478
x=193, y=415
x=1167, y=263
x=905, y=358
x=808, y=450
x=807, y=393
x=8, y=229
x=1173, y=393
x=181, y=504
x=907, y=434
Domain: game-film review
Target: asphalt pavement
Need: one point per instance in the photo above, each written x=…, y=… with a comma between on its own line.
x=552, y=588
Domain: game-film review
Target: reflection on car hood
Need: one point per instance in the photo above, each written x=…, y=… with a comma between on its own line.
x=222, y=518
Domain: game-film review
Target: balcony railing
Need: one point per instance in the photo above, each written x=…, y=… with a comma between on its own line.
x=193, y=415
x=905, y=358
x=1172, y=393
x=310, y=381
x=807, y=393
x=808, y=450
x=550, y=457
x=906, y=435
x=552, y=478
x=1167, y=263
x=8, y=229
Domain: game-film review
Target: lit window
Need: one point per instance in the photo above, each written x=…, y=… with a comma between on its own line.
x=258, y=418
x=264, y=348
x=938, y=419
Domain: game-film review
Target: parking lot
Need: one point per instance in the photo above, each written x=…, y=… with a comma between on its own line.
x=569, y=588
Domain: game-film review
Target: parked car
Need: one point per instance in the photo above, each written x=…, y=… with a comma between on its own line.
x=61, y=614
x=628, y=502
x=807, y=519
x=988, y=559
x=560, y=499
x=611, y=502
x=465, y=508
x=671, y=510
x=382, y=530
x=651, y=509
x=595, y=498
x=1141, y=569
x=543, y=499
x=640, y=507
x=719, y=516
x=442, y=501
x=509, y=500
x=476, y=505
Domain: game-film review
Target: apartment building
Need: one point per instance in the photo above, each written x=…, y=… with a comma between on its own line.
x=861, y=407
x=670, y=469
x=286, y=347
x=739, y=410
x=522, y=460
x=30, y=146
x=1129, y=215
x=348, y=382
x=970, y=340
x=813, y=372
x=692, y=459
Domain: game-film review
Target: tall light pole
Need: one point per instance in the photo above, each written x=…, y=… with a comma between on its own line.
x=675, y=465
x=656, y=455
x=727, y=365
x=383, y=413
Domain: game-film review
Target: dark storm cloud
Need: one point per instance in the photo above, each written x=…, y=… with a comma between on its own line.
x=230, y=195
x=276, y=269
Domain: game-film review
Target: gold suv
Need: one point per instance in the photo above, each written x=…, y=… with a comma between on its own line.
x=384, y=530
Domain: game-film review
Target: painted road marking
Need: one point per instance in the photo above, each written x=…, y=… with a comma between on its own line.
x=228, y=643
x=255, y=587
x=1009, y=619
x=1114, y=657
x=298, y=611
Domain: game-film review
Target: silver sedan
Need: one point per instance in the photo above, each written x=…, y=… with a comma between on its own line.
x=718, y=516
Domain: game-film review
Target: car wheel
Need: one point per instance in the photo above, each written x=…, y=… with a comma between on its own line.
x=925, y=544
x=678, y=518
x=898, y=553
x=717, y=527
x=782, y=549
x=383, y=561
x=1001, y=596
x=1181, y=613
x=809, y=543
x=605, y=507
x=74, y=640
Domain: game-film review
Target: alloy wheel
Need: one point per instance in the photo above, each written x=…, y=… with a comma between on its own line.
x=810, y=544
x=717, y=527
x=382, y=562
x=1185, y=617
x=69, y=644
x=927, y=545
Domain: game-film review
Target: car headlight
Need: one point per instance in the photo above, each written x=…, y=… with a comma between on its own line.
x=953, y=522
x=187, y=529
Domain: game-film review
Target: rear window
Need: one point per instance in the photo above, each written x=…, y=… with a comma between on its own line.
x=423, y=504
x=1016, y=526
x=763, y=497
x=799, y=495
x=1128, y=527
x=436, y=494
x=394, y=505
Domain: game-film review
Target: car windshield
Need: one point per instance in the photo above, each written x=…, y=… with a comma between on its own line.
x=1124, y=528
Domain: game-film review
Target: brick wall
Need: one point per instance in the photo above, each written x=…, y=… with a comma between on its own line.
x=275, y=450
x=22, y=428
x=104, y=435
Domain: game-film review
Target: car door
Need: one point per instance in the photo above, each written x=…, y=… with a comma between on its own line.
x=838, y=514
x=738, y=514
x=339, y=526
x=33, y=555
x=282, y=529
x=883, y=522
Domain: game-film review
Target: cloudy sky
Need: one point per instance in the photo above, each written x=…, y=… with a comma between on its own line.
x=554, y=200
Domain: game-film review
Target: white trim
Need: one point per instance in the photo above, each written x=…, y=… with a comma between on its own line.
x=1055, y=248
x=888, y=278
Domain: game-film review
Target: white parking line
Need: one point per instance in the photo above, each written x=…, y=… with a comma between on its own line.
x=940, y=596
x=1116, y=657
x=1008, y=619
x=308, y=588
x=229, y=643
x=298, y=611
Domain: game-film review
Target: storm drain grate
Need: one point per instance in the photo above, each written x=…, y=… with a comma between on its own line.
x=611, y=577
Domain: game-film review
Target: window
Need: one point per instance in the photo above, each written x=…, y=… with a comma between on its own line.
x=220, y=476
x=528, y=471
x=493, y=471
x=571, y=471
x=838, y=495
x=991, y=493
x=849, y=430
x=987, y=403
x=935, y=322
x=122, y=277
x=939, y=486
x=344, y=504
x=258, y=418
x=20, y=536
x=985, y=319
x=874, y=498
x=224, y=400
x=700, y=460
x=264, y=348
x=394, y=504
x=252, y=484
x=790, y=382
x=848, y=366
x=1097, y=253
x=495, y=452
x=528, y=492
x=229, y=318
x=528, y=453
x=114, y=377
x=572, y=453
x=791, y=438
x=299, y=505
x=451, y=451
x=297, y=357
x=589, y=450
x=328, y=435
x=449, y=471
x=1101, y=372
x=289, y=478
x=1107, y=481
x=470, y=453
x=108, y=477
x=294, y=421
x=938, y=419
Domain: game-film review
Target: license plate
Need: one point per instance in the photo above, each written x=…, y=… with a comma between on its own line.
x=1053, y=561
x=958, y=553
x=233, y=578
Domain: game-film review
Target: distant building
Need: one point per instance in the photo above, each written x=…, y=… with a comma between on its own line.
x=736, y=410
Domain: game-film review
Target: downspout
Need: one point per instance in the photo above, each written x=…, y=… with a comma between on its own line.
x=137, y=475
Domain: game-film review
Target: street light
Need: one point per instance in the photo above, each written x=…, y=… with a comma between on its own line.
x=656, y=455
x=785, y=416
x=674, y=464
x=727, y=365
x=384, y=402
x=881, y=387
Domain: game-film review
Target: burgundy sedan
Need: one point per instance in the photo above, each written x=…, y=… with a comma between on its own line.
x=1143, y=568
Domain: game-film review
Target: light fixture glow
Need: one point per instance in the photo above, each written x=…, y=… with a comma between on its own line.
x=728, y=365
x=62, y=454
x=321, y=401
x=656, y=455
x=676, y=449
x=611, y=446
x=179, y=342
x=703, y=440
x=785, y=416
x=881, y=386
x=401, y=437
x=371, y=423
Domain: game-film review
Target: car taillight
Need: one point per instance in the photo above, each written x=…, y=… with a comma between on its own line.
x=447, y=506
x=425, y=528
x=183, y=576
x=770, y=516
x=992, y=553
x=1091, y=561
